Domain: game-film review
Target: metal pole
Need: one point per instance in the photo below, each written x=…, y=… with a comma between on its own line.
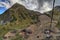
x=52, y=13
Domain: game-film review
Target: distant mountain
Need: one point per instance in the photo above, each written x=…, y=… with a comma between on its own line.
x=58, y=8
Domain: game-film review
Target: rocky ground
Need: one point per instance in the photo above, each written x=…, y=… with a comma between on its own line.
x=38, y=29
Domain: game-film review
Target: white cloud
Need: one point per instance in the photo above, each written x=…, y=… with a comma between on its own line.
x=37, y=5
x=29, y=4
x=46, y=7
x=7, y=4
x=3, y=4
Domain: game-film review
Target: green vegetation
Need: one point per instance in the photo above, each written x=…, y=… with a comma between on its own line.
x=18, y=37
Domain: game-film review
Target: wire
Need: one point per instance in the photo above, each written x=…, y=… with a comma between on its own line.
x=52, y=13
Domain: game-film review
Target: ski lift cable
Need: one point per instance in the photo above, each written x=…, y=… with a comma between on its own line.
x=52, y=13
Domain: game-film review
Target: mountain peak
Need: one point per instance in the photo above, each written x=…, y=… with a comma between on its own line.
x=18, y=13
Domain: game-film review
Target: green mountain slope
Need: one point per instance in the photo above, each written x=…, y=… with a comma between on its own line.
x=17, y=17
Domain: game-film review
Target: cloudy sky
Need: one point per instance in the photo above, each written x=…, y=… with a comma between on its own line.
x=36, y=5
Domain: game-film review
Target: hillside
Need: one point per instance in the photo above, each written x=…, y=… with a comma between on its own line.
x=17, y=17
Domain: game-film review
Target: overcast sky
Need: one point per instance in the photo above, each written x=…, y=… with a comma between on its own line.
x=57, y=2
